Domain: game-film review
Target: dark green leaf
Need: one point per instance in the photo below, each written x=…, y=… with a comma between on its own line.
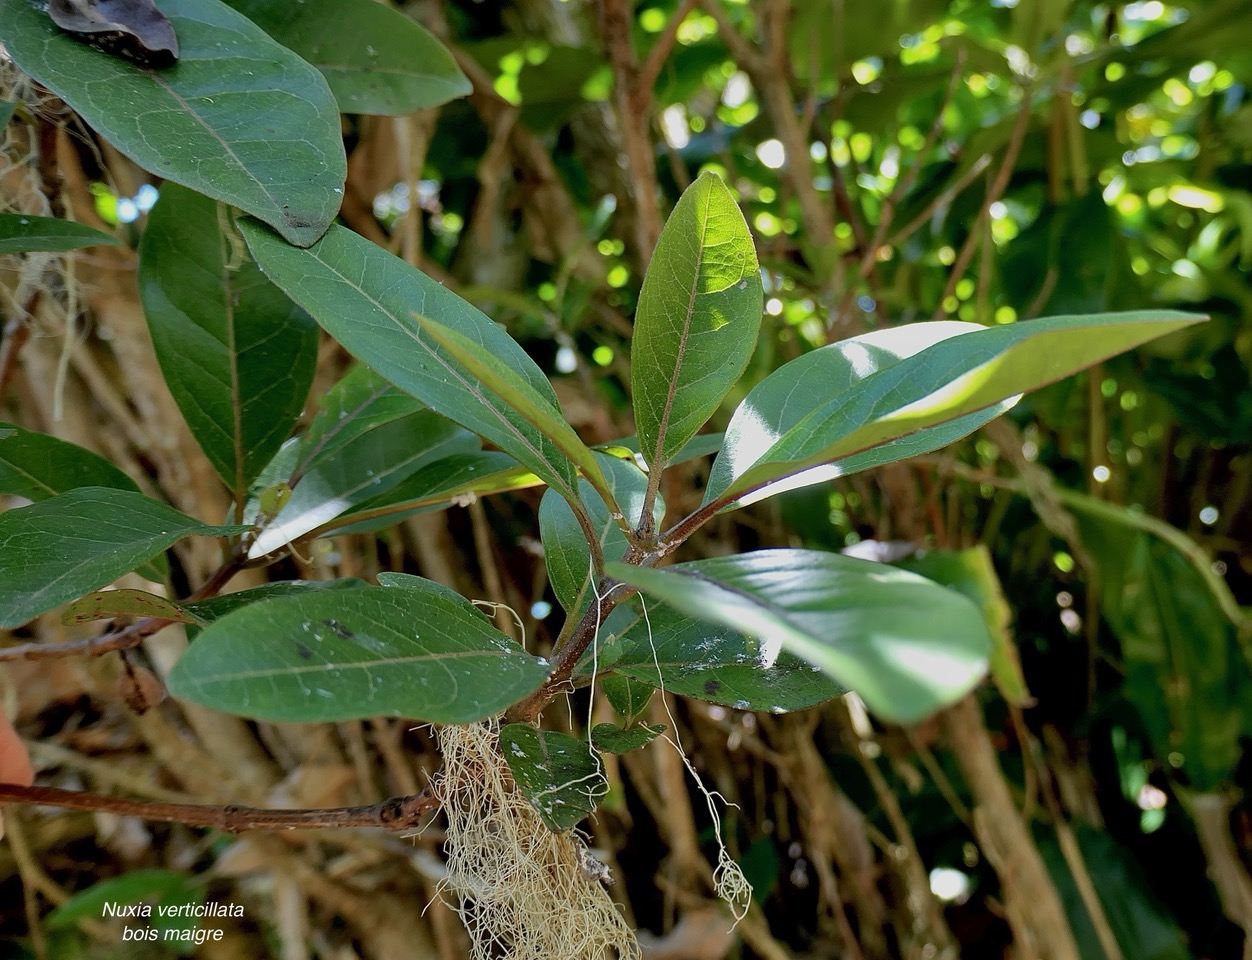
x=238, y=117
x=6, y=112
x=630, y=698
x=78, y=541
x=365, y=298
x=37, y=466
x=564, y=543
x=699, y=659
x=214, y=608
x=329, y=656
x=237, y=354
x=123, y=602
x=21, y=233
x=1185, y=671
x=614, y=739
x=385, y=64
x=560, y=775
x=905, y=644
x=360, y=402
x=371, y=462
x=698, y=319
x=954, y=378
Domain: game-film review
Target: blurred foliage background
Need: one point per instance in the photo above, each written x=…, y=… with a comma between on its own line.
x=899, y=160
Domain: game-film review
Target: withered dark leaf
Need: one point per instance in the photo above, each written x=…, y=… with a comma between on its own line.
x=133, y=29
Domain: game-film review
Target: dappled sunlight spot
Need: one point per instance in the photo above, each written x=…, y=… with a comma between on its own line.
x=279, y=534
x=827, y=471
x=754, y=435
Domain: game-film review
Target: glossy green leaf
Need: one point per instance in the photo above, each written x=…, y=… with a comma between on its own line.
x=238, y=117
x=565, y=545
x=22, y=233
x=615, y=739
x=560, y=775
x=905, y=644
x=37, y=466
x=123, y=602
x=385, y=64
x=684, y=655
x=954, y=378
x=805, y=384
x=698, y=319
x=78, y=541
x=360, y=402
x=347, y=474
x=6, y=112
x=365, y=298
x=456, y=480
x=512, y=386
x=238, y=356
x=214, y=608
x=629, y=698
x=327, y=656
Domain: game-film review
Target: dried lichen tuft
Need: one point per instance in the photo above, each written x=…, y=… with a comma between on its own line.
x=524, y=891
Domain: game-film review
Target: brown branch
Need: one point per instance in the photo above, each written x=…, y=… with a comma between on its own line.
x=741, y=51
x=16, y=333
x=634, y=105
x=650, y=69
x=397, y=813
x=994, y=191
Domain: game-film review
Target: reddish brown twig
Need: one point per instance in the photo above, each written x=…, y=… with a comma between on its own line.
x=397, y=813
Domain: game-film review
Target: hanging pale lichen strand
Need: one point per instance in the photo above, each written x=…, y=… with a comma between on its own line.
x=521, y=887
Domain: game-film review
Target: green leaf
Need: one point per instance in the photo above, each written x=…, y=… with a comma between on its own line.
x=972, y=573
x=360, y=402
x=37, y=466
x=364, y=297
x=694, y=658
x=558, y=774
x=238, y=117
x=237, y=354
x=614, y=739
x=385, y=64
x=214, y=608
x=511, y=385
x=22, y=233
x=328, y=656
x=954, y=378
x=1185, y=671
x=564, y=543
x=81, y=540
x=905, y=644
x=369, y=463
x=128, y=888
x=629, y=698
x=698, y=319
x=6, y=112
x=123, y=602
x=458, y=479
x=804, y=384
